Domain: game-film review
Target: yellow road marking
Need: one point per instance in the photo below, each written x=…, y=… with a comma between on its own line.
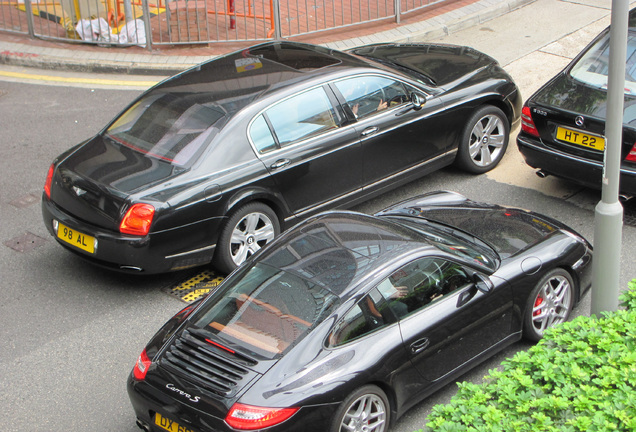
x=93, y=81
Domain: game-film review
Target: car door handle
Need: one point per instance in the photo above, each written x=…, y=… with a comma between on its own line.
x=419, y=345
x=370, y=131
x=280, y=163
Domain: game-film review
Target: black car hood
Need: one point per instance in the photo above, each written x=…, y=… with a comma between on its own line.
x=442, y=64
x=567, y=94
x=508, y=231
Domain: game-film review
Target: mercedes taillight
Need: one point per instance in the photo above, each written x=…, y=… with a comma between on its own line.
x=527, y=124
x=631, y=156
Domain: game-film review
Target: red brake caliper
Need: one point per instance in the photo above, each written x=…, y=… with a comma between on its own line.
x=537, y=302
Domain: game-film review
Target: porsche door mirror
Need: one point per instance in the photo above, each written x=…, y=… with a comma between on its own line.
x=482, y=283
x=417, y=100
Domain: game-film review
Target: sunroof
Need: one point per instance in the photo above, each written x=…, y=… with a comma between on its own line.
x=294, y=56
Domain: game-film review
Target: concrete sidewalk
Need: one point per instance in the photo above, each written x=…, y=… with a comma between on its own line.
x=18, y=50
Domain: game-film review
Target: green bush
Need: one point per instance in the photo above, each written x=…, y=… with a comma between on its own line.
x=580, y=377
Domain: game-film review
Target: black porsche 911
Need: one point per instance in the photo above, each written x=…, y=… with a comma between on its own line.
x=212, y=163
x=563, y=123
x=347, y=320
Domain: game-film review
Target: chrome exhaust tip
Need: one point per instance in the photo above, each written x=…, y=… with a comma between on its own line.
x=125, y=267
x=143, y=425
x=542, y=174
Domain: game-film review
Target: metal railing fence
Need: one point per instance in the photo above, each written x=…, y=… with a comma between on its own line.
x=172, y=22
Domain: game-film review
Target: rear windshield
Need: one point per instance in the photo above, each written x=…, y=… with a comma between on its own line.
x=168, y=126
x=266, y=311
x=593, y=67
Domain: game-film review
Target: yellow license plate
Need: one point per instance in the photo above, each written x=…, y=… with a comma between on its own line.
x=170, y=425
x=580, y=138
x=76, y=238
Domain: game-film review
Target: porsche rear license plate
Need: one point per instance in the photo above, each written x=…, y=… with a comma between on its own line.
x=169, y=425
x=76, y=238
x=579, y=138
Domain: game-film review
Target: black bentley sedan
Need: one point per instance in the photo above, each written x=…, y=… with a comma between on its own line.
x=212, y=163
x=347, y=320
x=563, y=123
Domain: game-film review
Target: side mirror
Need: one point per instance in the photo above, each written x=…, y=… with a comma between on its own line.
x=417, y=100
x=482, y=283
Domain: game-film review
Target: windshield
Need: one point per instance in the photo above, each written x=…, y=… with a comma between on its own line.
x=265, y=311
x=168, y=126
x=593, y=67
x=453, y=241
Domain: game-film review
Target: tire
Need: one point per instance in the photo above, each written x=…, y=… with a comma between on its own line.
x=246, y=231
x=484, y=141
x=549, y=304
x=365, y=410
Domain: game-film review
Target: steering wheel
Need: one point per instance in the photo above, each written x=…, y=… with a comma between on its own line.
x=398, y=99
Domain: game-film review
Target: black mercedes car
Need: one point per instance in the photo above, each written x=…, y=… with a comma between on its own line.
x=347, y=320
x=563, y=123
x=212, y=163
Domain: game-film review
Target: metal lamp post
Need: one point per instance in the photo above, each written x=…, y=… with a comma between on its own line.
x=608, y=222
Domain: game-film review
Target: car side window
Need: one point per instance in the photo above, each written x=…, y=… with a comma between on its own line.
x=420, y=283
x=368, y=315
x=370, y=94
x=261, y=135
x=302, y=116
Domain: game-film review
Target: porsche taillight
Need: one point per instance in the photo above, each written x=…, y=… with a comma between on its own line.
x=137, y=220
x=631, y=156
x=49, y=181
x=527, y=124
x=141, y=367
x=247, y=417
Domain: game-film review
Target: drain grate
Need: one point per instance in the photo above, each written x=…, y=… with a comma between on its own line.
x=25, y=242
x=195, y=286
x=25, y=200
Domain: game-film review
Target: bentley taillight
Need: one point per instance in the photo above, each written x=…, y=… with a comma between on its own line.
x=247, y=417
x=527, y=124
x=137, y=220
x=141, y=367
x=49, y=181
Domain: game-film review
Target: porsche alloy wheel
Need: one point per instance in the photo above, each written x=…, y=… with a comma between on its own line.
x=248, y=229
x=550, y=303
x=366, y=410
x=484, y=141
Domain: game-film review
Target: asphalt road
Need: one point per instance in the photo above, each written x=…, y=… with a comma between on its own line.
x=70, y=332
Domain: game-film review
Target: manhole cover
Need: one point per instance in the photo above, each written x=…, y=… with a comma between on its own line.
x=25, y=200
x=195, y=286
x=25, y=242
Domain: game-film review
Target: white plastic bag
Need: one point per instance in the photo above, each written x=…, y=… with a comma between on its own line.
x=134, y=32
x=94, y=30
